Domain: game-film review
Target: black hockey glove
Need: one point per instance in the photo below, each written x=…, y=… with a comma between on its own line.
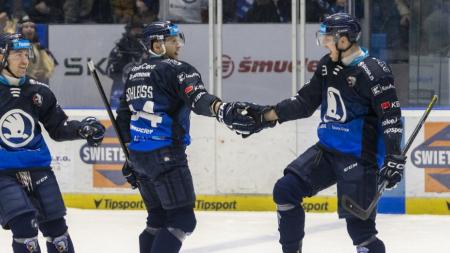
x=257, y=113
x=130, y=176
x=234, y=115
x=392, y=170
x=92, y=130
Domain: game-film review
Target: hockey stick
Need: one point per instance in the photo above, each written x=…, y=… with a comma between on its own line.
x=91, y=67
x=351, y=206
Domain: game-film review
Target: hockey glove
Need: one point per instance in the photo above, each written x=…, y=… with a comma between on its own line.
x=130, y=176
x=257, y=113
x=92, y=130
x=234, y=116
x=392, y=170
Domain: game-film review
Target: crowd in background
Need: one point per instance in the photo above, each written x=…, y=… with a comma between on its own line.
x=390, y=23
x=179, y=11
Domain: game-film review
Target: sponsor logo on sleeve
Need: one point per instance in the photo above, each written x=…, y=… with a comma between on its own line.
x=376, y=90
x=388, y=105
x=183, y=76
x=188, y=89
x=393, y=130
x=389, y=122
x=385, y=105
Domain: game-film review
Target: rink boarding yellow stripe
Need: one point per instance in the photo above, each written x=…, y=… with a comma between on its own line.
x=242, y=203
x=428, y=206
x=203, y=203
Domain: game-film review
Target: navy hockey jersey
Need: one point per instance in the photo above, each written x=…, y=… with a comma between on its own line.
x=359, y=108
x=155, y=107
x=22, y=108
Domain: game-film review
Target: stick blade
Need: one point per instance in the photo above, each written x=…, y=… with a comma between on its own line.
x=350, y=206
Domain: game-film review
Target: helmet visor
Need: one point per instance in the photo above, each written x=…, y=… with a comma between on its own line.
x=324, y=39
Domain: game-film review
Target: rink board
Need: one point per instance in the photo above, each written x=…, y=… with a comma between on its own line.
x=240, y=203
x=231, y=173
x=203, y=202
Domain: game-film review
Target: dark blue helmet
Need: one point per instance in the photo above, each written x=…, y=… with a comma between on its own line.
x=159, y=30
x=12, y=41
x=340, y=25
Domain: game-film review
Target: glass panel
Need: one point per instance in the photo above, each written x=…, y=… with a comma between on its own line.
x=430, y=51
x=389, y=39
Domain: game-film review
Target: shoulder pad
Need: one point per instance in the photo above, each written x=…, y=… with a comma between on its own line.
x=374, y=68
x=35, y=82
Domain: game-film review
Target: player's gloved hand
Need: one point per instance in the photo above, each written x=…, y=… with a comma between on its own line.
x=92, y=130
x=130, y=176
x=234, y=115
x=392, y=170
x=257, y=113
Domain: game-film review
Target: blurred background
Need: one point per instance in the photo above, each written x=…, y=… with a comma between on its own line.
x=262, y=47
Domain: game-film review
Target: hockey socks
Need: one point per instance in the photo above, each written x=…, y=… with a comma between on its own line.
x=25, y=233
x=166, y=242
x=146, y=239
x=291, y=225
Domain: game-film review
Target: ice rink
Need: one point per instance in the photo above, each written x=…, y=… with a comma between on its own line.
x=95, y=231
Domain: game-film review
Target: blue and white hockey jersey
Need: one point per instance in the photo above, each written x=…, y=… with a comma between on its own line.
x=360, y=111
x=22, y=107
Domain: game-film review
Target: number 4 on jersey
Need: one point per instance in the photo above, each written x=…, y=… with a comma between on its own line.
x=147, y=113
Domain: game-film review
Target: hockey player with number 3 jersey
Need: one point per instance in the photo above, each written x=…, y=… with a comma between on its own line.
x=360, y=132
x=30, y=198
x=154, y=116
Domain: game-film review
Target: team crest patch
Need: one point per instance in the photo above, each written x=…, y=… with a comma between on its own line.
x=37, y=100
x=351, y=80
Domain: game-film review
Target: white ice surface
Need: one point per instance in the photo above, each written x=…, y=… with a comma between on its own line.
x=95, y=231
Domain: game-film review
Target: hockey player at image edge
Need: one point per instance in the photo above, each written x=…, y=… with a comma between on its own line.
x=154, y=118
x=360, y=131
x=30, y=198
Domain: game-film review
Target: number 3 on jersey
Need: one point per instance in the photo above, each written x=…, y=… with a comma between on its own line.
x=146, y=113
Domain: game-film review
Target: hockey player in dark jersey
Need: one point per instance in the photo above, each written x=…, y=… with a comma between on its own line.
x=154, y=116
x=360, y=132
x=30, y=198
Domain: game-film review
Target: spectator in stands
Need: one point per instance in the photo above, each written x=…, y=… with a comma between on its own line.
x=123, y=10
x=390, y=30
x=182, y=11
x=88, y=11
x=42, y=63
x=10, y=10
x=46, y=11
x=75, y=11
x=435, y=28
x=263, y=11
x=128, y=52
x=147, y=10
